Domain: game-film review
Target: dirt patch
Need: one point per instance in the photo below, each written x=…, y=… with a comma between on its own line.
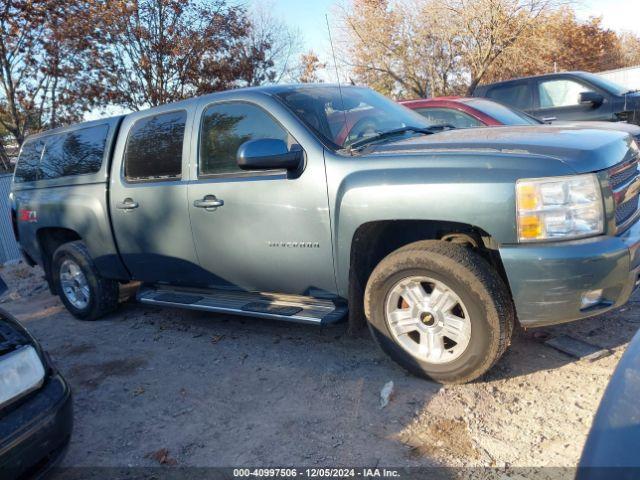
x=22, y=280
x=162, y=457
x=441, y=438
x=92, y=375
x=22, y=272
x=217, y=390
x=70, y=349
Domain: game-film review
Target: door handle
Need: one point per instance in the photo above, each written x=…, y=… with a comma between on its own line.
x=208, y=202
x=127, y=204
x=549, y=119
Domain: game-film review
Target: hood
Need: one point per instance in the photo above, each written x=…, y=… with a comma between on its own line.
x=583, y=149
x=620, y=126
x=12, y=334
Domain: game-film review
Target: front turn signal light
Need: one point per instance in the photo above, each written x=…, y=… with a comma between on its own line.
x=559, y=208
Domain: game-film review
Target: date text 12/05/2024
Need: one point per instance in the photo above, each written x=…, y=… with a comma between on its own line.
x=316, y=473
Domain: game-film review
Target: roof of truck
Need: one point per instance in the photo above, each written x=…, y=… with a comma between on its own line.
x=576, y=73
x=75, y=126
x=268, y=90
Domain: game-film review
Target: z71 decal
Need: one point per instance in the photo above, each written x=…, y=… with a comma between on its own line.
x=30, y=216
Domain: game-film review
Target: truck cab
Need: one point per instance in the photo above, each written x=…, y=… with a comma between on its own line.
x=566, y=96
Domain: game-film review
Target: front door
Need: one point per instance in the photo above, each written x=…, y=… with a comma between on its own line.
x=266, y=231
x=559, y=99
x=148, y=199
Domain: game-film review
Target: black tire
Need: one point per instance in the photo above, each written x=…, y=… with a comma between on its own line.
x=103, y=293
x=475, y=282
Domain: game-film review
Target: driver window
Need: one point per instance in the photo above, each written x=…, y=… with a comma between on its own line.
x=226, y=126
x=560, y=93
x=342, y=120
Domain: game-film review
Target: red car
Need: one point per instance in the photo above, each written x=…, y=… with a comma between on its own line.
x=463, y=112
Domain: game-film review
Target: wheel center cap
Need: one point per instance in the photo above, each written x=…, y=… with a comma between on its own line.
x=427, y=319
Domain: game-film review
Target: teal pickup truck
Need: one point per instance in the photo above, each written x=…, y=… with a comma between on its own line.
x=309, y=203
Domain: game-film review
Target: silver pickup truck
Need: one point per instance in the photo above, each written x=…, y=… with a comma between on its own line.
x=308, y=203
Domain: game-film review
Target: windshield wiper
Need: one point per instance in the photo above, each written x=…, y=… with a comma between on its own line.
x=391, y=133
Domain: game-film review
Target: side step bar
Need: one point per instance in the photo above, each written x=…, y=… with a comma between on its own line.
x=290, y=308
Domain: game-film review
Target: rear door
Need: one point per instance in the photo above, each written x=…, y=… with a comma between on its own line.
x=148, y=197
x=271, y=231
x=519, y=95
x=559, y=98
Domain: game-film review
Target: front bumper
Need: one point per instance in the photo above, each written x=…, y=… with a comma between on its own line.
x=35, y=434
x=548, y=280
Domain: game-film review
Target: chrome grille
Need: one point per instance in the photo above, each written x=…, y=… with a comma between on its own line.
x=621, y=179
x=623, y=176
x=625, y=210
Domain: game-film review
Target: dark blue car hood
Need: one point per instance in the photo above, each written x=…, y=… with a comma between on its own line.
x=12, y=334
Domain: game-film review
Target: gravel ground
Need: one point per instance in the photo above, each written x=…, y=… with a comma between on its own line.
x=193, y=389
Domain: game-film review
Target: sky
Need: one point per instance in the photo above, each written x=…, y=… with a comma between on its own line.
x=617, y=15
x=309, y=17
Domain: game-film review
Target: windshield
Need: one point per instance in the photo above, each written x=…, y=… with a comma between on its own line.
x=502, y=113
x=605, y=84
x=356, y=116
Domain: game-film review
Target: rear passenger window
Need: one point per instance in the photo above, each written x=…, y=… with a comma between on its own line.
x=74, y=153
x=29, y=160
x=154, y=147
x=517, y=95
x=225, y=127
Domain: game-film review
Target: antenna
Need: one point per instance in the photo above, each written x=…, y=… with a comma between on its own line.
x=335, y=64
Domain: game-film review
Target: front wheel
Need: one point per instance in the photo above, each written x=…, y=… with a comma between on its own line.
x=86, y=294
x=439, y=310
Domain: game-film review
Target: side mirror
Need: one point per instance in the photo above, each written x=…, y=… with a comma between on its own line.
x=591, y=98
x=268, y=154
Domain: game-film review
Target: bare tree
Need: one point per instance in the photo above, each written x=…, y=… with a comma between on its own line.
x=280, y=43
x=560, y=41
x=370, y=37
x=308, y=68
x=158, y=51
x=488, y=28
x=433, y=47
x=630, y=49
x=45, y=78
x=6, y=142
x=405, y=48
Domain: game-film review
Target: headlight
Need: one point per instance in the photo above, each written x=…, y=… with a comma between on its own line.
x=559, y=208
x=21, y=371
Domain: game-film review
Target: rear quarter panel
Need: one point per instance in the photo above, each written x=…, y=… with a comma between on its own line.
x=81, y=208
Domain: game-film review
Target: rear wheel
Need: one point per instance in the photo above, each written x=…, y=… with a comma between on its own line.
x=83, y=291
x=439, y=310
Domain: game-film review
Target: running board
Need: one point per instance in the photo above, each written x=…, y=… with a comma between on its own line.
x=290, y=308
